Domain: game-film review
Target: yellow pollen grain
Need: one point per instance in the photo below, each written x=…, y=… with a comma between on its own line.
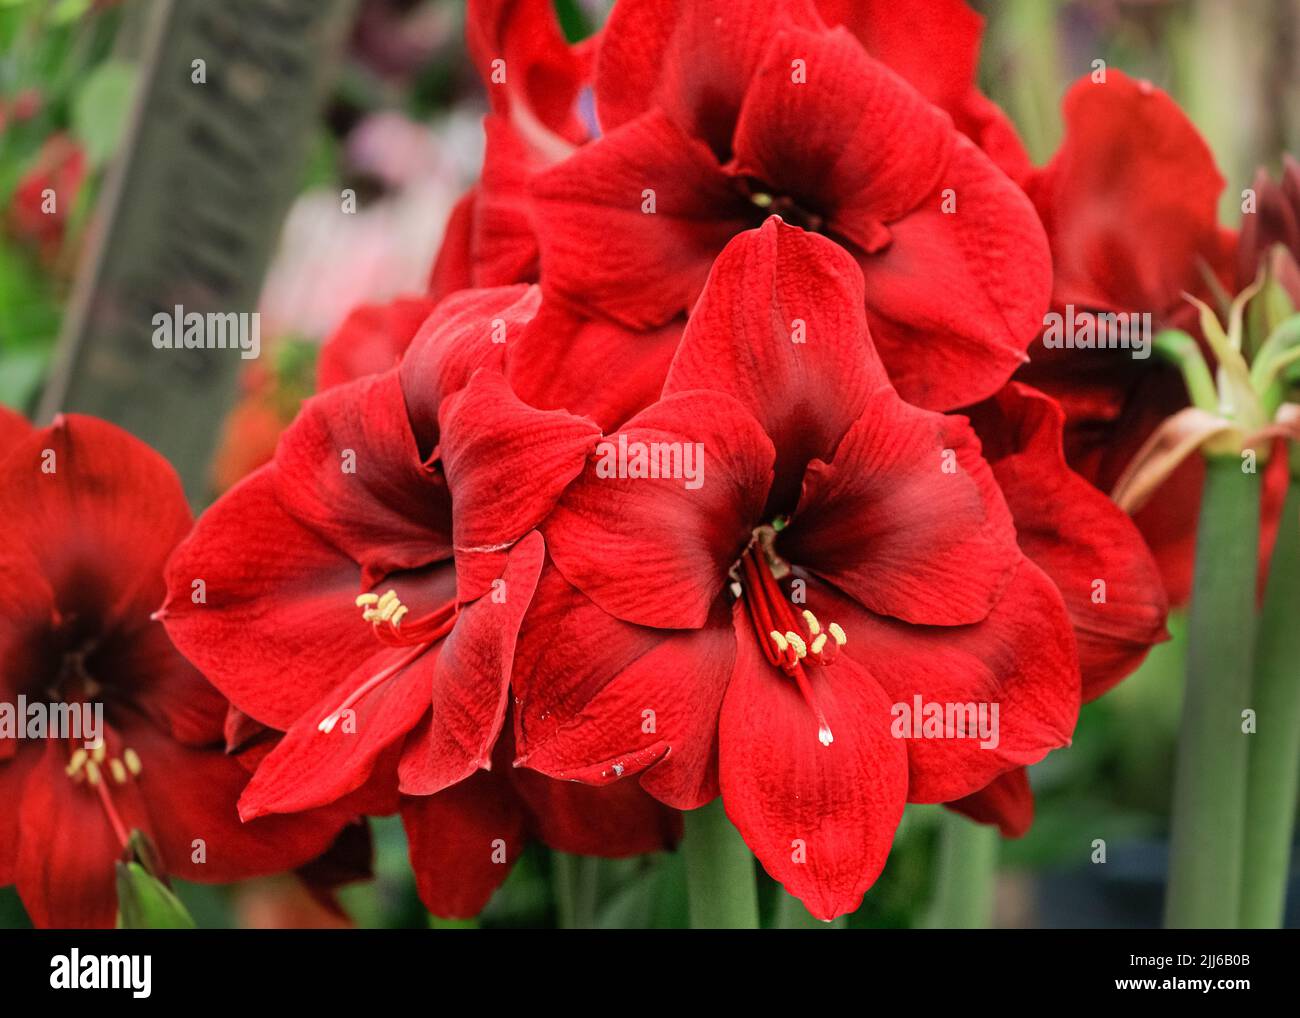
x=132, y=760
x=796, y=641
x=819, y=643
x=117, y=770
x=838, y=633
x=77, y=762
x=814, y=627
x=779, y=640
x=365, y=600
x=92, y=772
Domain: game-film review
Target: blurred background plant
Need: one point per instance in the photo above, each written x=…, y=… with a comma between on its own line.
x=401, y=129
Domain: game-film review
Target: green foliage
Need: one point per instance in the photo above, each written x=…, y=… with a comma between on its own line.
x=100, y=110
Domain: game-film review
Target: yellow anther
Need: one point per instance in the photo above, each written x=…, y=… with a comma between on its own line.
x=779, y=640
x=366, y=600
x=396, y=620
x=77, y=762
x=92, y=772
x=117, y=770
x=98, y=752
x=818, y=643
x=838, y=633
x=132, y=760
x=387, y=611
x=796, y=641
x=814, y=627
x=389, y=597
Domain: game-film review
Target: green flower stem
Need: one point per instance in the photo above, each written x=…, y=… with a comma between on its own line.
x=967, y=868
x=1209, y=803
x=577, y=889
x=1274, y=769
x=719, y=872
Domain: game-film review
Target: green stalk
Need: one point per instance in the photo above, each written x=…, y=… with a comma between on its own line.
x=1274, y=769
x=719, y=872
x=967, y=868
x=1209, y=803
x=577, y=890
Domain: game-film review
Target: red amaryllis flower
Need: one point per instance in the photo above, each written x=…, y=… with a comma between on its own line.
x=92, y=514
x=718, y=114
x=364, y=591
x=749, y=624
x=1130, y=207
x=1086, y=545
x=533, y=79
x=45, y=195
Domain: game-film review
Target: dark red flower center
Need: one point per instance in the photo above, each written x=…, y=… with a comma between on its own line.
x=789, y=641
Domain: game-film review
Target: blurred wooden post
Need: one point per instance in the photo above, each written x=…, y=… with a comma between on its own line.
x=190, y=213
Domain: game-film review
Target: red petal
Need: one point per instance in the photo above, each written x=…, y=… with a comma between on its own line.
x=1076, y=535
x=191, y=797
x=957, y=297
x=552, y=364
x=13, y=778
x=935, y=44
x=504, y=240
x=311, y=767
x=1130, y=200
x=1021, y=658
x=692, y=58
x=371, y=340
x=67, y=846
x=853, y=142
x=507, y=464
x=601, y=699
x=1007, y=801
x=820, y=818
x=463, y=842
x=907, y=518
x=600, y=250
x=542, y=73
x=612, y=822
x=453, y=267
x=99, y=522
x=279, y=626
x=466, y=332
x=471, y=681
x=348, y=468
x=656, y=551
x=780, y=327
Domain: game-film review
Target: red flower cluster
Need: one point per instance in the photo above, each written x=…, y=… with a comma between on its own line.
x=724, y=457
x=698, y=515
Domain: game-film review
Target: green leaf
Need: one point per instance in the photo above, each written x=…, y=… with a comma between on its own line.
x=147, y=904
x=100, y=109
